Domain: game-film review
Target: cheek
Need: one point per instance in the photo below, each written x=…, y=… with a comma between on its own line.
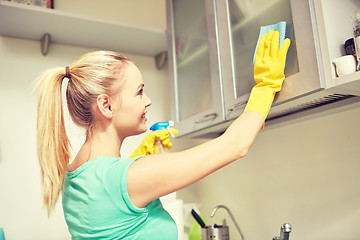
x=130, y=118
x=133, y=110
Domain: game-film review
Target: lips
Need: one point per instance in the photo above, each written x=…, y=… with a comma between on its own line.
x=143, y=116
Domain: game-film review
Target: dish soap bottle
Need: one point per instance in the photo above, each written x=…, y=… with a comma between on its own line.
x=160, y=126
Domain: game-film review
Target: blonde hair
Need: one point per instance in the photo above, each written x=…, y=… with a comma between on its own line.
x=93, y=74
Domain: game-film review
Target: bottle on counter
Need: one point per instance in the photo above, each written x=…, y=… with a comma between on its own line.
x=355, y=20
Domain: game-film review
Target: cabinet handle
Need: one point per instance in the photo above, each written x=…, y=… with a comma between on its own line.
x=233, y=107
x=206, y=117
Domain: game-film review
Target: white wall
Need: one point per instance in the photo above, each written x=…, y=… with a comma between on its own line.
x=21, y=212
x=304, y=173
x=140, y=12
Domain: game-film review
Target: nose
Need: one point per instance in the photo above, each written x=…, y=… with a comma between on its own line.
x=147, y=101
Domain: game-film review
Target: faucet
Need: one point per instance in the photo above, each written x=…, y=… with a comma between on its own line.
x=284, y=232
x=231, y=216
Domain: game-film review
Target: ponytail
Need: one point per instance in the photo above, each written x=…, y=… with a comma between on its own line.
x=53, y=143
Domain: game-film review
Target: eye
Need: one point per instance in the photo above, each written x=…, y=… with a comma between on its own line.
x=141, y=92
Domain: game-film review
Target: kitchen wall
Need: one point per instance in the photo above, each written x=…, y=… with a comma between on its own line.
x=305, y=173
x=139, y=12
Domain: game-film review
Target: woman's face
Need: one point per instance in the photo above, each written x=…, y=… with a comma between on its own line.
x=130, y=104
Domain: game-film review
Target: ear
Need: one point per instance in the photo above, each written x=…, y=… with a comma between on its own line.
x=103, y=102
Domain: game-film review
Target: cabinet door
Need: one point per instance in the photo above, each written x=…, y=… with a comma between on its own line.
x=196, y=90
x=239, y=25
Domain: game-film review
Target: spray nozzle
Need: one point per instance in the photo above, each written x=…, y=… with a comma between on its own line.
x=163, y=125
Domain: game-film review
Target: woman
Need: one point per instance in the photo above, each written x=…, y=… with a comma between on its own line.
x=106, y=196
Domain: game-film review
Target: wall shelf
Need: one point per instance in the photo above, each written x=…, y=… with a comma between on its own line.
x=31, y=22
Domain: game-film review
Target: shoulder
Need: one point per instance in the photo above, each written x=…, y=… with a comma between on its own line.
x=114, y=165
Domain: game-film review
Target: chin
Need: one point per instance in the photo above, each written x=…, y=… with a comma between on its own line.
x=142, y=130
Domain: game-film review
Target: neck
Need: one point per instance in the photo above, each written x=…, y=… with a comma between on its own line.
x=101, y=142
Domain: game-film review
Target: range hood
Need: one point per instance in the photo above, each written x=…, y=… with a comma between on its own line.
x=318, y=104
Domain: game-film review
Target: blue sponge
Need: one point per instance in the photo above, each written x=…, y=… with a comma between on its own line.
x=280, y=27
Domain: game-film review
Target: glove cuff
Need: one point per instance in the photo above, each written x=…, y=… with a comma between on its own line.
x=260, y=100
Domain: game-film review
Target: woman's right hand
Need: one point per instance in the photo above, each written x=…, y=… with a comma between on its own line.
x=270, y=61
x=269, y=75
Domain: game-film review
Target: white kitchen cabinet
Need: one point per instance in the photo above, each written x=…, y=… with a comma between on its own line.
x=31, y=22
x=232, y=28
x=232, y=33
x=239, y=24
x=194, y=65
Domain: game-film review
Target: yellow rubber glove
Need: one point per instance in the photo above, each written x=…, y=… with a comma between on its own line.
x=147, y=146
x=268, y=72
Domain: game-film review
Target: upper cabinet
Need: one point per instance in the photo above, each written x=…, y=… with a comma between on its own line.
x=31, y=22
x=194, y=65
x=211, y=50
x=239, y=25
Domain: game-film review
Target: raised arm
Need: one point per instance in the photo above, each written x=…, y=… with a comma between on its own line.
x=153, y=176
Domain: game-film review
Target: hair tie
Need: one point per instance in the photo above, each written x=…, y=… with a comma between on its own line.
x=67, y=72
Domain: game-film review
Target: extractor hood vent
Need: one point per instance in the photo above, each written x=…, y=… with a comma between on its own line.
x=319, y=103
x=332, y=98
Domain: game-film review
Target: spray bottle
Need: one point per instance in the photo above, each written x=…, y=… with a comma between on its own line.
x=160, y=126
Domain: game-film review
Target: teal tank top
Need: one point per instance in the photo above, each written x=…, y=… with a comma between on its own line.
x=97, y=205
